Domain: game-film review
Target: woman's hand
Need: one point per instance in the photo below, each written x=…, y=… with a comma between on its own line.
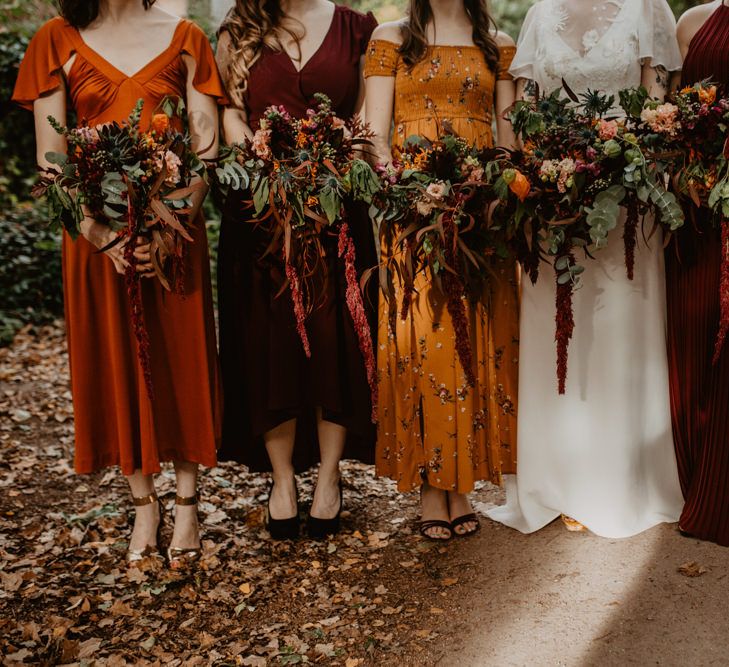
x=100, y=236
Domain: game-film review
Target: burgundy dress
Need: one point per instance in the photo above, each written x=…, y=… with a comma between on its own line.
x=267, y=379
x=699, y=389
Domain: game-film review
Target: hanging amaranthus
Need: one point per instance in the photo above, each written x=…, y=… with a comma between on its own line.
x=297, y=298
x=355, y=304
x=564, y=319
x=630, y=234
x=455, y=294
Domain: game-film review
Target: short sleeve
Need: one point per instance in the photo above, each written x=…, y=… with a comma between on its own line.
x=506, y=57
x=207, y=77
x=381, y=58
x=522, y=64
x=366, y=27
x=657, y=42
x=41, y=69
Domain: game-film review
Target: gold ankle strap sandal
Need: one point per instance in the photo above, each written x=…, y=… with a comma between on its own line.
x=179, y=557
x=151, y=550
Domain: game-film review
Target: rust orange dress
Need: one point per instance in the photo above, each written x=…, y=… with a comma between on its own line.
x=115, y=422
x=432, y=425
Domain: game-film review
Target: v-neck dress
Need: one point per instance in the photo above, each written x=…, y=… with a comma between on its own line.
x=700, y=388
x=267, y=378
x=115, y=421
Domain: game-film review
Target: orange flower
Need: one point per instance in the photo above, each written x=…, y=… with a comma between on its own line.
x=160, y=123
x=301, y=139
x=686, y=90
x=520, y=186
x=312, y=201
x=707, y=95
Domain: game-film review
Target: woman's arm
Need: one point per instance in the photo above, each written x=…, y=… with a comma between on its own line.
x=235, y=120
x=202, y=114
x=379, y=107
x=655, y=80
x=505, y=96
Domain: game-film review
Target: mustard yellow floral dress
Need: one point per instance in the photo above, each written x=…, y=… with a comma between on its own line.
x=432, y=425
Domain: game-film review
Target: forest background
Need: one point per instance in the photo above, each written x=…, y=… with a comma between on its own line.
x=30, y=263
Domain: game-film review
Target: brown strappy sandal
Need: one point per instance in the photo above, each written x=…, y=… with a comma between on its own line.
x=151, y=550
x=178, y=557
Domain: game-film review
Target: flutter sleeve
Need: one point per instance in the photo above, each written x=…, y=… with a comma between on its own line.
x=365, y=28
x=522, y=64
x=657, y=43
x=381, y=58
x=506, y=57
x=207, y=77
x=41, y=69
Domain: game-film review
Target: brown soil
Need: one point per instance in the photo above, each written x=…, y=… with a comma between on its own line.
x=377, y=594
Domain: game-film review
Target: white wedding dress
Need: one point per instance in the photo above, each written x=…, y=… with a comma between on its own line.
x=603, y=452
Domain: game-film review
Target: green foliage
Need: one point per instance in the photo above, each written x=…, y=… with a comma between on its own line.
x=30, y=270
x=17, y=141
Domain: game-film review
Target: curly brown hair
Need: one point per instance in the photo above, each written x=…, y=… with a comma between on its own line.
x=252, y=24
x=415, y=39
x=80, y=13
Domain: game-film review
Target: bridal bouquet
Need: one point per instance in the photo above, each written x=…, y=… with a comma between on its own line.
x=138, y=183
x=300, y=174
x=434, y=215
x=583, y=167
x=690, y=144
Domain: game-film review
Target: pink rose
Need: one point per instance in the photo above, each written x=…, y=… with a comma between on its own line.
x=260, y=143
x=436, y=190
x=607, y=129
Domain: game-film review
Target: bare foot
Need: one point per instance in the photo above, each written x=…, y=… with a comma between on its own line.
x=146, y=522
x=327, y=501
x=282, y=504
x=572, y=525
x=434, y=507
x=186, y=534
x=458, y=506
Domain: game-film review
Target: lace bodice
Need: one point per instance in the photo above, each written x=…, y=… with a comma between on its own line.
x=599, y=45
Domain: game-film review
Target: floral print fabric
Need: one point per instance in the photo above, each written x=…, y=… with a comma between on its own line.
x=431, y=423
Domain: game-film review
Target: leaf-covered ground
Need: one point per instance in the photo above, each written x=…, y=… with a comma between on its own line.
x=377, y=594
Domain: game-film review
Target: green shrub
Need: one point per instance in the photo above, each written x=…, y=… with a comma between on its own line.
x=30, y=270
x=17, y=141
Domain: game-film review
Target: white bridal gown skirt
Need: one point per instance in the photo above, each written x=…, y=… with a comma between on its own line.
x=602, y=453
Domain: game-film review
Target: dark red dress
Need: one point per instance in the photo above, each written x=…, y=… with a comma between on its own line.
x=267, y=379
x=699, y=389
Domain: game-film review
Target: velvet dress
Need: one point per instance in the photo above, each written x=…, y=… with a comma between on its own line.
x=115, y=421
x=267, y=377
x=700, y=389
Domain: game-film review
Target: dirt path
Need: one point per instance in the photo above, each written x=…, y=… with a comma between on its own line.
x=559, y=598
x=377, y=594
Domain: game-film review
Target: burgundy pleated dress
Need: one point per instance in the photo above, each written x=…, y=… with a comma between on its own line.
x=267, y=379
x=699, y=389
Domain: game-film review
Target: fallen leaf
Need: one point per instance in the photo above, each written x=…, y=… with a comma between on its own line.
x=692, y=569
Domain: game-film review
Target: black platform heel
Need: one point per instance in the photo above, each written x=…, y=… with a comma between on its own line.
x=320, y=529
x=283, y=529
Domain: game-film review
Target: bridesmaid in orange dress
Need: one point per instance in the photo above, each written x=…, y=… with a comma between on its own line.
x=445, y=63
x=103, y=56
